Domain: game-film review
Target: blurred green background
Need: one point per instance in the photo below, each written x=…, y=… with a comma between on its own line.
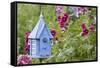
x=72, y=47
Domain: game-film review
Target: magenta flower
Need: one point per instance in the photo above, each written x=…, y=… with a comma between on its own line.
x=85, y=9
x=59, y=10
x=83, y=26
x=26, y=36
x=53, y=32
x=59, y=18
x=27, y=45
x=91, y=27
x=62, y=25
x=24, y=59
x=78, y=10
x=27, y=48
x=85, y=31
x=66, y=15
x=63, y=21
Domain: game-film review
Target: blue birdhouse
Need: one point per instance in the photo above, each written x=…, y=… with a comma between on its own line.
x=40, y=40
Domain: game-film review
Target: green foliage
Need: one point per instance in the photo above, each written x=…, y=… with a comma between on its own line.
x=72, y=47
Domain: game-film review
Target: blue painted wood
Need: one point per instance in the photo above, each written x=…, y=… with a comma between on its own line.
x=40, y=37
x=39, y=28
x=45, y=46
x=33, y=47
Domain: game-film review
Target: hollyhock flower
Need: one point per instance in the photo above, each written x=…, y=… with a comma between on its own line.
x=76, y=11
x=91, y=27
x=59, y=9
x=53, y=32
x=83, y=26
x=59, y=18
x=85, y=31
x=24, y=59
x=26, y=36
x=27, y=46
x=85, y=9
x=55, y=38
x=66, y=15
x=62, y=25
x=63, y=21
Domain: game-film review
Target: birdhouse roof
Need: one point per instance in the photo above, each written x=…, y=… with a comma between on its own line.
x=36, y=32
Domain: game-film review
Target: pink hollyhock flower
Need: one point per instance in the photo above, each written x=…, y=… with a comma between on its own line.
x=85, y=31
x=79, y=10
x=27, y=48
x=59, y=18
x=82, y=9
x=83, y=26
x=53, y=32
x=59, y=9
x=85, y=9
x=91, y=27
x=26, y=35
x=66, y=15
x=62, y=25
x=63, y=21
x=24, y=59
x=27, y=45
x=76, y=11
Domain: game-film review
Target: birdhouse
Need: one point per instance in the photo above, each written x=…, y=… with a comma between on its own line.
x=40, y=40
